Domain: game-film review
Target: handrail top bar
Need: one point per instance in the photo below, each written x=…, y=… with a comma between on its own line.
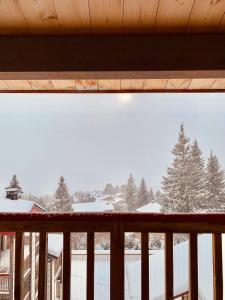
x=217, y=217
x=105, y=222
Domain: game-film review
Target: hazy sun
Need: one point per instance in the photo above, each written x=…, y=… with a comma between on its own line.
x=125, y=97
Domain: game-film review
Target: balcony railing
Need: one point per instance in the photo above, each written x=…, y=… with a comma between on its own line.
x=117, y=224
x=4, y=282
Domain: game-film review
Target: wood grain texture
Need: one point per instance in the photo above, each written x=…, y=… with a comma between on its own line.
x=217, y=267
x=63, y=84
x=141, y=85
x=206, y=16
x=139, y=16
x=109, y=85
x=12, y=20
x=41, y=84
x=132, y=84
x=219, y=83
x=173, y=15
x=86, y=85
x=176, y=84
x=40, y=15
x=155, y=84
x=44, y=17
x=205, y=83
x=3, y=85
x=74, y=16
x=18, y=85
x=106, y=16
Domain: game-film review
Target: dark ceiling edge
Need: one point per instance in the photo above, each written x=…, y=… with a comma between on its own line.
x=164, y=91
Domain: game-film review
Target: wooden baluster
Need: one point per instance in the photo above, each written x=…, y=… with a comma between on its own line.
x=217, y=267
x=66, y=265
x=144, y=267
x=117, y=262
x=42, y=276
x=193, y=266
x=169, y=265
x=90, y=265
x=19, y=271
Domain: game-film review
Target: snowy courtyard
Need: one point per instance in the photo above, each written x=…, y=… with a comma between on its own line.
x=156, y=269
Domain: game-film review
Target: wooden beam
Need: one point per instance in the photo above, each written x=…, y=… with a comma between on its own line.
x=112, y=57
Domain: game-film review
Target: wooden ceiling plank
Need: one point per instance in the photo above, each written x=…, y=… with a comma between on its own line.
x=3, y=85
x=41, y=16
x=132, y=84
x=18, y=85
x=41, y=84
x=173, y=15
x=201, y=83
x=63, y=84
x=109, y=85
x=81, y=85
x=139, y=15
x=178, y=84
x=155, y=84
x=106, y=16
x=12, y=20
x=206, y=15
x=74, y=16
x=218, y=84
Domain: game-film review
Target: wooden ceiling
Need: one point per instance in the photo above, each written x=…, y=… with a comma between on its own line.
x=110, y=16
x=123, y=17
x=131, y=85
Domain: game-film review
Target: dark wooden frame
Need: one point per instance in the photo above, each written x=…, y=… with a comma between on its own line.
x=117, y=224
x=112, y=57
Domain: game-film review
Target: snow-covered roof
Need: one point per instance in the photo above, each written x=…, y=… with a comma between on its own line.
x=96, y=206
x=7, y=205
x=9, y=189
x=5, y=259
x=55, y=244
x=150, y=207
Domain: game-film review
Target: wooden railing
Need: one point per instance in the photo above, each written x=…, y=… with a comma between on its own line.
x=4, y=282
x=117, y=224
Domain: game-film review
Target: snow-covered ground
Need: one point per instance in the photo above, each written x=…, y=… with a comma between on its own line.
x=97, y=206
x=157, y=274
x=150, y=207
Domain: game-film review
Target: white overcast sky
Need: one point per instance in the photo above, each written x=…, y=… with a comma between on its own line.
x=92, y=139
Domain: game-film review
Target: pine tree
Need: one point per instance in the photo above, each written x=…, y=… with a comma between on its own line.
x=14, y=183
x=130, y=196
x=151, y=196
x=176, y=184
x=215, y=184
x=159, y=197
x=109, y=189
x=63, y=200
x=197, y=178
x=142, y=198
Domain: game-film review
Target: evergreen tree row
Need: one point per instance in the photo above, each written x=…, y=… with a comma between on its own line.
x=191, y=185
x=136, y=198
